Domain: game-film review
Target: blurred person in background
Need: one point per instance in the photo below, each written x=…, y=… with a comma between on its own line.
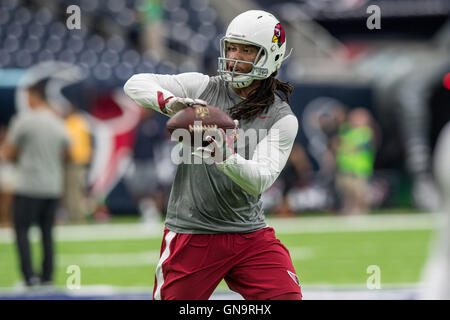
x=321, y=122
x=297, y=173
x=142, y=176
x=75, y=171
x=328, y=170
x=330, y=125
x=7, y=185
x=440, y=288
x=355, y=160
x=37, y=141
x=154, y=29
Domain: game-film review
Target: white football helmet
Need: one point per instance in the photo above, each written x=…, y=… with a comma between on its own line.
x=259, y=28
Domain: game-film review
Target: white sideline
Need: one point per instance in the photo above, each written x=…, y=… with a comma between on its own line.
x=399, y=291
x=141, y=258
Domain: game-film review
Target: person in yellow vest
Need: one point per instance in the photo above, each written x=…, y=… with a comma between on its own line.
x=355, y=161
x=75, y=191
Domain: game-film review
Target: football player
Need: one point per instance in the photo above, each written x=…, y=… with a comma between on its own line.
x=215, y=227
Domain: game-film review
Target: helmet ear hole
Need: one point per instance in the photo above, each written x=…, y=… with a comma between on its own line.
x=277, y=57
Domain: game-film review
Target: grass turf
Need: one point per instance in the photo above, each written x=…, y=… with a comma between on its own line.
x=331, y=258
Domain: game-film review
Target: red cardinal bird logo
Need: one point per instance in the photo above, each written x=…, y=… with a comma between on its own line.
x=278, y=35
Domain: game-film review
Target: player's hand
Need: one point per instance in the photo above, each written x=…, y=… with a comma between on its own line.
x=175, y=104
x=221, y=148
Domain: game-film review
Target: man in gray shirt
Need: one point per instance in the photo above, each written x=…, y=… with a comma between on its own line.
x=37, y=142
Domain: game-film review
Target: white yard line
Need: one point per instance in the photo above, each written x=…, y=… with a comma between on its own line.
x=106, y=260
x=310, y=292
x=143, y=258
x=383, y=222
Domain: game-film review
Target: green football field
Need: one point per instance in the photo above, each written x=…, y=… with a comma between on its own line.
x=325, y=250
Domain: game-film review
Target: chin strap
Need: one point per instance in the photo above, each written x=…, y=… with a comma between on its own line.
x=288, y=55
x=240, y=85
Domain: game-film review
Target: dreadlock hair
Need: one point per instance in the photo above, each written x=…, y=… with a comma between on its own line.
x=260, y=99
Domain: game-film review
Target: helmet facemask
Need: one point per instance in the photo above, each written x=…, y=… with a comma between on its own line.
x=240, y=79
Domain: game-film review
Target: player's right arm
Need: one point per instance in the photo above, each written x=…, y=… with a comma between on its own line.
x=166, y=94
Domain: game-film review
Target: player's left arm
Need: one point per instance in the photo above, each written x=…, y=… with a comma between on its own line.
x=271, y=154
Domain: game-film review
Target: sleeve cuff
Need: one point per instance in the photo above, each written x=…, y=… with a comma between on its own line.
x=231, y=160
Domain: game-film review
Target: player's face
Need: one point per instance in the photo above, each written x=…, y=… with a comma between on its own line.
x=239, y=51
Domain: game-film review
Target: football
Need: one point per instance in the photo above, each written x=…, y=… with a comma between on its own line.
x=197, y=120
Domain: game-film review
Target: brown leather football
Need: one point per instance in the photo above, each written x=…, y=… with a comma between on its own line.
x=199, y=119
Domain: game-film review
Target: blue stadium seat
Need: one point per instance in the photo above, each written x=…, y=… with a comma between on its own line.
x=36, y=29
x=179, y=16
x=43, y=16
x=102, y=71
x=131, y=56
x=144, y=68
x=32, y=43
x=23, y=59
x=67, y=55
x=166, y=67
x=198, y=5
x=33, y=29
x=181, y=33
x=10, y=4
x=89, y=58
x=124, y=71
x=88, y=5
x=75, y=43
x=5, y=58
x=45, y=55
x=58, y=29
x=22, y=16
x=54, y=44
x=171, y=5
x=11, y=43
x=116, y=43
x=96, y=43
x=110, y=57
x=126, y=18
x=116, y=5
